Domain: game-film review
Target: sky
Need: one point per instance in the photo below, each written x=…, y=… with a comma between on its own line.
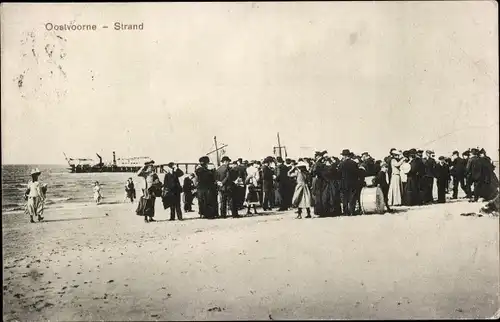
x=366, y=76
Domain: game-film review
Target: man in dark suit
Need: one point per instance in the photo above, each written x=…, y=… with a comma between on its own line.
x=267, y=183
x=172, y=190
x=349, y=173
x=457, y=171
x=428, y=179
x=442, y=175
x=227, y=187
x=281, y=173
x=468, y=184
x=474, y=173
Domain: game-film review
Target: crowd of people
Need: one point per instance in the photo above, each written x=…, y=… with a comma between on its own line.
x=328, y=185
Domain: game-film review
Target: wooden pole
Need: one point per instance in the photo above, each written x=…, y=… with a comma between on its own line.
x=279, y=145
x=217, y=151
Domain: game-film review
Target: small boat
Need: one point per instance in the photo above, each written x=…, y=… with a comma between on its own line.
x=86, y=165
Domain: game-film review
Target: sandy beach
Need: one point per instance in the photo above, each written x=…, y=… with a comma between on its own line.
x=105, y=263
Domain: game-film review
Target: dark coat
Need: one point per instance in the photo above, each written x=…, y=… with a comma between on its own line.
x=349, y=173
x=206, y=178
x=381, y=181
x=188, y=185
x=442, y=174
x=267, y=179
x=171, y=182
x=430, y=167
x=223, y=175
x=458, y=167
x=281, y=173
x=474, y=168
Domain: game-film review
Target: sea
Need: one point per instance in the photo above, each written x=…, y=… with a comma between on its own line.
x=64, y=188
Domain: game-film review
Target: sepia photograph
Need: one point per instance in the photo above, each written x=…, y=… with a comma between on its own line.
x=299, y=160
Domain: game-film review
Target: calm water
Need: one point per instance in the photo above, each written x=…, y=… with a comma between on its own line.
x=63, y=187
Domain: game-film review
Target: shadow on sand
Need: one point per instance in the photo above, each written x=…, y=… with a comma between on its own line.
x=72, y=219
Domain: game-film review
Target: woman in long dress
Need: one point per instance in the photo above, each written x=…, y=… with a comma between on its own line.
x=206, y=192
x=325, y=199
x=251, y=193
x=395, y=186
x=35, y=196
x=302, y=195
x=151, y=190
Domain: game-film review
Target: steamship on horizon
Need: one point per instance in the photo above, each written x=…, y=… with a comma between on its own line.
x=83, y=165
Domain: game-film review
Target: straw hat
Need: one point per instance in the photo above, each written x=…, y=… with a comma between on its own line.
x=35, y=171
x=302, y=164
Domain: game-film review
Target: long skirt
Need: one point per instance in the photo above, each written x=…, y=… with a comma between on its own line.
x=395, y=188
x=302, y=196
x=251, y=196
x=146, y=206
x=207, y=203
x=35, y=206
x=326, y=198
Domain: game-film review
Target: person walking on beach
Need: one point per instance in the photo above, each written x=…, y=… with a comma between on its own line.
x=97, y=193
x=35, y=196
x=302, y=195
x=172, y=190
x=130, y=190
x=152, y=189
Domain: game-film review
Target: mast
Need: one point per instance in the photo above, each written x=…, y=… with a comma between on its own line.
x=217, y=151
x=279, y=145
x=66, y=159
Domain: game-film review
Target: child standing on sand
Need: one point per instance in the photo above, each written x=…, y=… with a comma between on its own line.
x=97, y=193
x=302, y=195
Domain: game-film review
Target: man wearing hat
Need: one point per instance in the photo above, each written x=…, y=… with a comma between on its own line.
x=267, y=183
x=241, y=170
x=35, y=196
x=226, y=188
x=457, y=171
x=428, y=179
x=206, y=190
x=474, y=175
x=282, y=179
x=349, y=173
x=172, y=189
x=442, y=174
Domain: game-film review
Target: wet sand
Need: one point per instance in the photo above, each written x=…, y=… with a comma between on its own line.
x=105, y=263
